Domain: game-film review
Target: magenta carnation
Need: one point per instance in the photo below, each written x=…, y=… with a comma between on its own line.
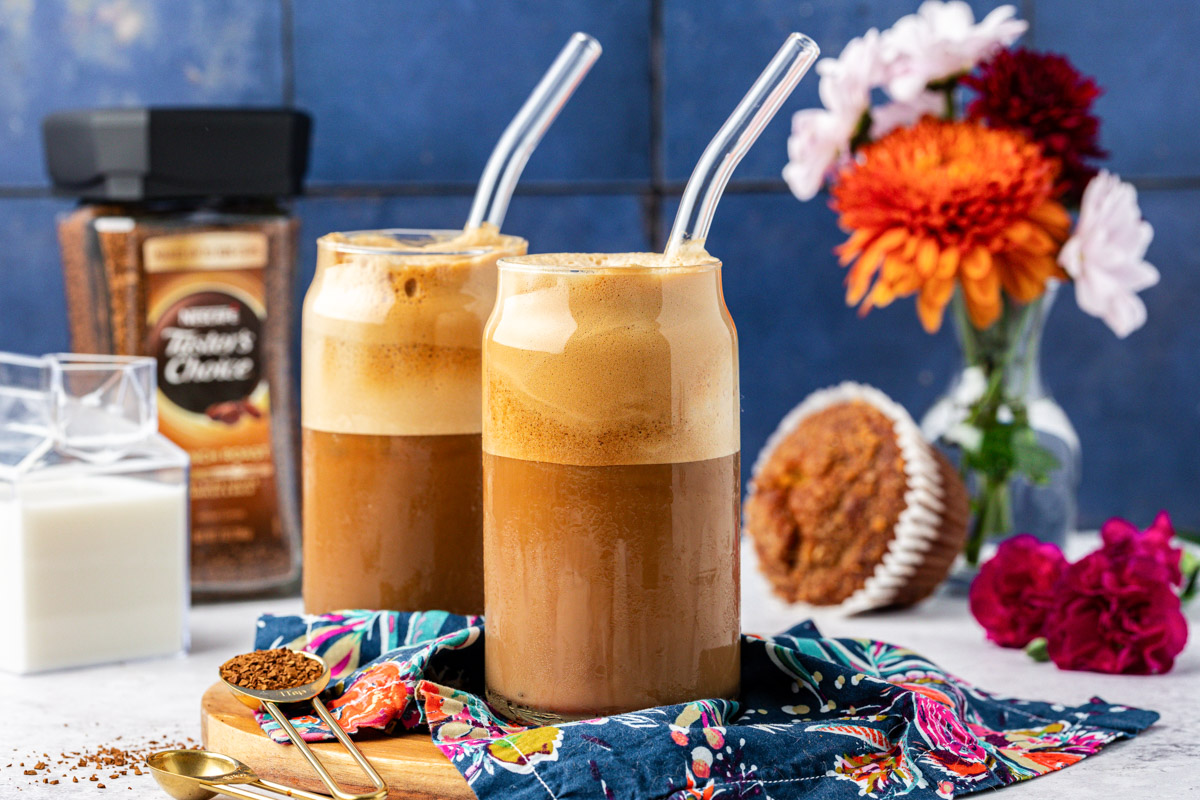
x=1117, y=610
x=1149, y=549
x=1014, y=590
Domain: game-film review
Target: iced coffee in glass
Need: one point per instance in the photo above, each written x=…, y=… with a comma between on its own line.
x=391, y=419
x=611, y=485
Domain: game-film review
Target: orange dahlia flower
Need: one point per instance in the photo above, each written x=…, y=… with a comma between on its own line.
x=942, y=204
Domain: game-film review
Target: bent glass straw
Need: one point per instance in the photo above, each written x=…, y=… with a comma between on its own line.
x=522, y=135
x=734, y=139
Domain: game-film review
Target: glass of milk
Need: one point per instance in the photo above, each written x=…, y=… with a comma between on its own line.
x=93, y=515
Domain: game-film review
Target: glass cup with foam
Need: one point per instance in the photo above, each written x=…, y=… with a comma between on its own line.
x=611, y=485
x=390, y=417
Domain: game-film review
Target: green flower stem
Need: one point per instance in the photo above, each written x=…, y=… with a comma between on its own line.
x=947, y=87
x=950, y=110
x=993, y=516
x=1008, y=446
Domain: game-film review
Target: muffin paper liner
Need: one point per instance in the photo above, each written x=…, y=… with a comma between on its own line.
x=927, y=533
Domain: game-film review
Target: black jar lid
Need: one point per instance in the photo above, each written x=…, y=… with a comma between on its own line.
x=131, y=154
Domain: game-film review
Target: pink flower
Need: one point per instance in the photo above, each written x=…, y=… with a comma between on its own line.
x=942, y=40
x=1106, y=254
x=820, y=140
x=1013, y=591
x=886, y=118
x=821, y=137
x=1117, y=610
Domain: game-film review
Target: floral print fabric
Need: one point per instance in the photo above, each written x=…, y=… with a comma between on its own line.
x=818, y=718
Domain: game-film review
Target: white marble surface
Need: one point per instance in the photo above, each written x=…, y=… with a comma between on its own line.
x=88, y=708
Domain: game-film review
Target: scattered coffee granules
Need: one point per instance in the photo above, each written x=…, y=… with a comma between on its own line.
x=110, y=762
x=269, y=670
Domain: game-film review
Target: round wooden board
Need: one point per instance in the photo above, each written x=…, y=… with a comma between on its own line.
x=413, y=768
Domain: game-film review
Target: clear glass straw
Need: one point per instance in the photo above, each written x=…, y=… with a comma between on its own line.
x=734, y=139
x=522, y=135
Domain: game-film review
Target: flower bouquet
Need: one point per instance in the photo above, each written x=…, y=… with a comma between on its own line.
x=959, y=189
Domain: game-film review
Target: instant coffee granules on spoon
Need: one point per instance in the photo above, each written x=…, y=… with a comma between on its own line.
x=270, y=670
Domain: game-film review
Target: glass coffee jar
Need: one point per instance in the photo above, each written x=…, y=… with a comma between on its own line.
x=390, y=352
x=182, y=248
x=611, y=486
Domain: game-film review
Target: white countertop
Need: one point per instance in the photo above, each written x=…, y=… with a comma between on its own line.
x=85, y=709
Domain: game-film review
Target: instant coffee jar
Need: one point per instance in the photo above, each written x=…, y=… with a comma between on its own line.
x=610, y=485
x=182, y=248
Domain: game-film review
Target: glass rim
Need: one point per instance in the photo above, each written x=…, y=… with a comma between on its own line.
x=543, y=263
x=432, y=234
x=67, y=362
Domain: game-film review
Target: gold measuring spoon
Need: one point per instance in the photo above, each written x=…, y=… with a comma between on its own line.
x=270, y=700
x=199, y=774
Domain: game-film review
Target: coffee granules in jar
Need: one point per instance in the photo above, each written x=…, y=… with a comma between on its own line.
x=270, y=670
x=182, y=249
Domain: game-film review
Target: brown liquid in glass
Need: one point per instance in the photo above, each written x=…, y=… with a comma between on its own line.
x=411, y=507
x=610, y=588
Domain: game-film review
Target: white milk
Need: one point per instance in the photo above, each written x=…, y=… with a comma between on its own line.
x=92, y=569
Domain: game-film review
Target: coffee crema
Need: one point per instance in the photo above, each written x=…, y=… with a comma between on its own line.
x=611, y=486
x=391, y=418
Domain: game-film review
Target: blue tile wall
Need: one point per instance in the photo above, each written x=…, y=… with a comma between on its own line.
x=57, y=54
x=714, y=49
x=409, y=98
x=33, y=312
x=421, y=90
x=1136, y=402
x=1145, y=58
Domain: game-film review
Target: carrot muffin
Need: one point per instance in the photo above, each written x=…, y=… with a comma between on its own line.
x=850, y=507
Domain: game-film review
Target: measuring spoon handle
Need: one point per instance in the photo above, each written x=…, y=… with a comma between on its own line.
x=311, y=757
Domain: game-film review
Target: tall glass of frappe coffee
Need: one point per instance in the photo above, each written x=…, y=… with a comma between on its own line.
x=611, y=485
x=391, y=418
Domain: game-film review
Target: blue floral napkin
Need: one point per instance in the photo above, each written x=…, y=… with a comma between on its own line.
x=818, y=718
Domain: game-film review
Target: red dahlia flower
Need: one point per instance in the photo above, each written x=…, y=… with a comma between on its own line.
x=1046, y=98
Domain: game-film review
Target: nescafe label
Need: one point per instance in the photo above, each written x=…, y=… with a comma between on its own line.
x=208, y=350
x=207, y=326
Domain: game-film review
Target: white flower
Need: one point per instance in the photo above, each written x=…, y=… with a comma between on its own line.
x=941, y=40
x=847, y=81
x=814, y=148
x=888, y=117
x=821, y=137
x=1105, y=254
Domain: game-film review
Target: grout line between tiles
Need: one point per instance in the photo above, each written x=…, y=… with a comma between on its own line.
x=468, y=189
x=649, y=190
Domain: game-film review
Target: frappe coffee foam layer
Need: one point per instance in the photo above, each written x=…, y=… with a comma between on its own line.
x=392, y=332
x=611, y=359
